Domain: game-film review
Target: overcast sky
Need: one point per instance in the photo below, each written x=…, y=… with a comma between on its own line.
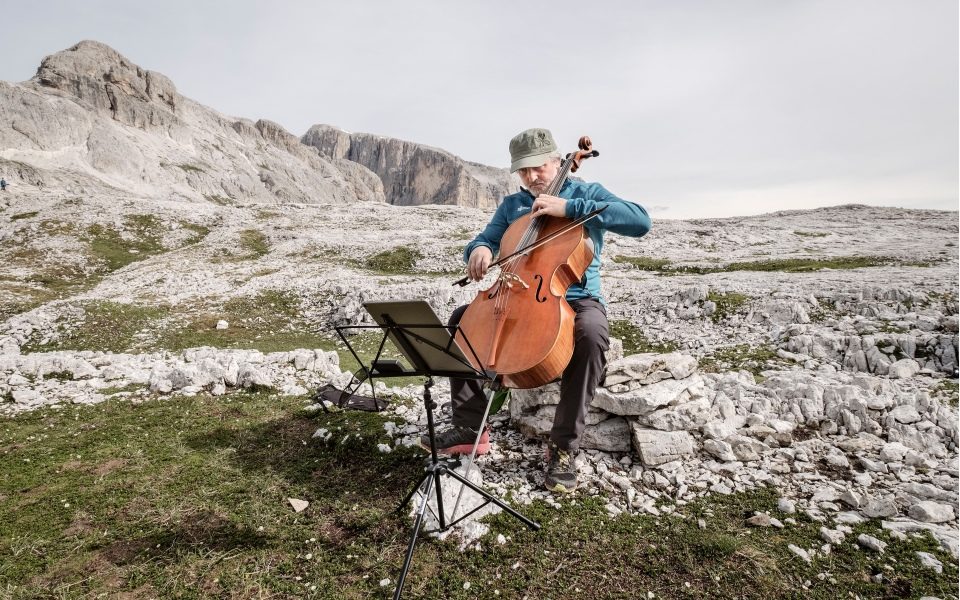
x=698, y=108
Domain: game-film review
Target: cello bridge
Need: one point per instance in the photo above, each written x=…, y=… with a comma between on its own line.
x=510, y=278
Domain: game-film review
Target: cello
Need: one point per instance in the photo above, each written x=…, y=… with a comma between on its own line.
x=521, y=327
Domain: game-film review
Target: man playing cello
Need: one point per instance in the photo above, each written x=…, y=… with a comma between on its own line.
x=535, y=157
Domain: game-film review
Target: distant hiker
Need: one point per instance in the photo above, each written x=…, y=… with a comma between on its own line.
x=3, y=185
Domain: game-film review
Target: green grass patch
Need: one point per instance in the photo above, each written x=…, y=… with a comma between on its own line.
x=48, y=279
x=269, y=322
x=949, y=391
x=463, y=233
x=106, y=326
x=813, y=234
x=188, y=498
x=19, y=306
x=189, y=168
x=218, y=199
x=742, y=357
x=888, y=327
x=396, y=261
x=123, y=389
x=787, y=265
x=61, y=280
x=114, y=250
x=267, y=215
x=800, y=265
x=254, y=243
x=108, y=248
x=24, y=215
x=728, y=304
x=645, y=263
x=198, y=232
x=634, y=342
x=57, y=227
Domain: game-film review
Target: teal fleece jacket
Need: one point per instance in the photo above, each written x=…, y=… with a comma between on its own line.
x=622, y=217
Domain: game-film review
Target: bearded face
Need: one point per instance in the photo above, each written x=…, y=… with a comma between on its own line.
x=538, y=179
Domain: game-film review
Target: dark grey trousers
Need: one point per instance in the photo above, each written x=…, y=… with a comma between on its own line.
x=580, y=379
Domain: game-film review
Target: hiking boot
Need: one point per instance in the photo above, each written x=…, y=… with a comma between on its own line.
x=561, y=472
x=458, y=440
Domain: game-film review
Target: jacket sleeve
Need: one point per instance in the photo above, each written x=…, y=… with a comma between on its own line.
x=491, y=234
x=621, y=217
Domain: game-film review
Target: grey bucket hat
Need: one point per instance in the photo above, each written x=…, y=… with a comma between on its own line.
x=531, y=148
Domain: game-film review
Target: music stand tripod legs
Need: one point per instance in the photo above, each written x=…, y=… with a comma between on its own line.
x=434, y=470
x=430, y=348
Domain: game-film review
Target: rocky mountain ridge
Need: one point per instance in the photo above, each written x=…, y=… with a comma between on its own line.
x=413, y=173
x=92, y=121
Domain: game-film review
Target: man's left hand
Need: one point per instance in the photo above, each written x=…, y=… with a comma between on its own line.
x=549, y=205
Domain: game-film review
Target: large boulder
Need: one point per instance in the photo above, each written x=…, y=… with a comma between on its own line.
x=659, y=447
x=647, y=398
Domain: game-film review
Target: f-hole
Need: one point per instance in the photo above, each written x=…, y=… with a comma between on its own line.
x=539, y=279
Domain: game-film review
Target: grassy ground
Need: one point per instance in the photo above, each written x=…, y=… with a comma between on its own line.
x=742, y=357
x=187, y=497
x=788, y=265
x=108, y=248
x=254, y=243
x=633, y=339
x=270, y=321
x=114, y=250
x=727, y=304
x=948, y=390
x=400, y=260
x=107, y=326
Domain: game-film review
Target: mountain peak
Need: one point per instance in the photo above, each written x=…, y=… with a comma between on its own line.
x=100, y=77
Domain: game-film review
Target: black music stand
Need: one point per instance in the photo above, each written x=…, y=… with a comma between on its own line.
x=429, y=346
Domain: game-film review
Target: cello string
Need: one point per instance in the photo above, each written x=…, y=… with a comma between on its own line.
x=508, y=277
x=535, y=226
x=531, y=233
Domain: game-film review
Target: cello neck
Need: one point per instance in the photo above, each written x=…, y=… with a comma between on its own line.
x=554, y=188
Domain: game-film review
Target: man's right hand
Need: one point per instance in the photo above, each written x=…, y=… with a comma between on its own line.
x=479, y=262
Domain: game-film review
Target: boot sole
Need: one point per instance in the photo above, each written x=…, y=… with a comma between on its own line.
x=462, y=449
x=559, y=487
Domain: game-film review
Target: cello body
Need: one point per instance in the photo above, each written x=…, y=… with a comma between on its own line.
x=521, y=327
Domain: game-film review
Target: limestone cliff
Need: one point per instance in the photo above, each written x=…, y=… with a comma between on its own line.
x=413, y=173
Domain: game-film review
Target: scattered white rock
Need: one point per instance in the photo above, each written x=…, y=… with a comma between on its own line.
x=786, y=505
x=930, y=561
x=800, y=552
x=831, y=536
x=871, y=543
x=759, y=520
x=298, y=505
x=928, y=511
